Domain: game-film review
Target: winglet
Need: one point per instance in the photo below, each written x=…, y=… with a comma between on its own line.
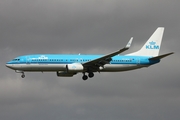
x=129, y=43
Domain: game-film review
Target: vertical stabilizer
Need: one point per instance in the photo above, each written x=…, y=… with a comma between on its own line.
x=152, y=46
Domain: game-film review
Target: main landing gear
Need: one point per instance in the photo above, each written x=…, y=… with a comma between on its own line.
x=90, y=75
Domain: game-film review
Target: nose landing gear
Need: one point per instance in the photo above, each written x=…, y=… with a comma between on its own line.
x=23, y=75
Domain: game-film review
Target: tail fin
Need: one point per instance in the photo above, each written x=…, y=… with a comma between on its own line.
x=152, y=46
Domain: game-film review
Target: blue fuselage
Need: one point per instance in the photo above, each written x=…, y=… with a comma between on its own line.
x=57, y=62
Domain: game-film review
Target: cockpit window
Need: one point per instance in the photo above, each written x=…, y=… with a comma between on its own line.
x=16, y=59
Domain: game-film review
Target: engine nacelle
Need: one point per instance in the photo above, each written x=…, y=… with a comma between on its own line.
x=75, y=67
x=65, y=74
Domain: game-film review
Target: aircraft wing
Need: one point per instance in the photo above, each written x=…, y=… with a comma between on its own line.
x=106, y=58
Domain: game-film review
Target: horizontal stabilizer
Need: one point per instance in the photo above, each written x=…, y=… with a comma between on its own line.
x=161, y=56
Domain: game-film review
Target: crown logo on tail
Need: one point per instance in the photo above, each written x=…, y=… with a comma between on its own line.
x=152, y=45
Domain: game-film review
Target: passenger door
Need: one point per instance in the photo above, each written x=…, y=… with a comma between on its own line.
x=28, y=60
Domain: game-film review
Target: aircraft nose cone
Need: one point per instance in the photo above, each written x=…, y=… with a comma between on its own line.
x=8, y=65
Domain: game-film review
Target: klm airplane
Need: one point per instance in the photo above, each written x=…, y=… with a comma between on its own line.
x=69, y=65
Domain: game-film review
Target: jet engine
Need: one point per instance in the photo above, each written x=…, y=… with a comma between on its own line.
x=75, y=67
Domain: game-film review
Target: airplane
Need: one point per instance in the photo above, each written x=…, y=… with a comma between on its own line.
x=68, y=65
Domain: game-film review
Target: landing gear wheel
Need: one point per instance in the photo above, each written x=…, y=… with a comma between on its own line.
x=23, y=76
x=91, y=74
x=85, y=77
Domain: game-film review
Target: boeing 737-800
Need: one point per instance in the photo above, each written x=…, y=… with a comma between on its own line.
x=68, y=65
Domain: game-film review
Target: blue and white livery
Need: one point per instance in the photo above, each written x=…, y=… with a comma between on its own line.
x=68, y=65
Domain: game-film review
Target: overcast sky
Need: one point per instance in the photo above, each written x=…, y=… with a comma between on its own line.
x=89, y=27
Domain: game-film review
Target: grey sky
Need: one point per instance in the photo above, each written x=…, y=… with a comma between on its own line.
x=90, y=27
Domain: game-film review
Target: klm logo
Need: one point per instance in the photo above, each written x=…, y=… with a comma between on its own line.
x=74, y=67
x=152, y=45
x=42, y=57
